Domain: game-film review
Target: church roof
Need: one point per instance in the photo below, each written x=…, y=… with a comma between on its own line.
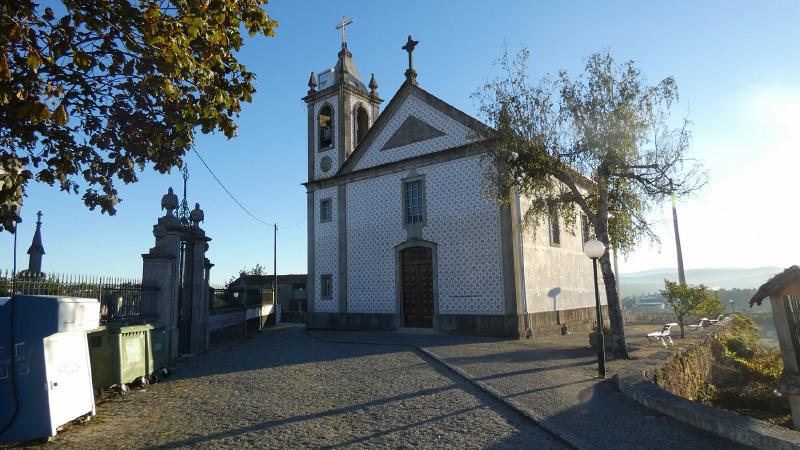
x=344, y=72
x=345, y=69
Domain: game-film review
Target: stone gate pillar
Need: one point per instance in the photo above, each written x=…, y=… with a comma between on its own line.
x=160, y=268
x=200, y=282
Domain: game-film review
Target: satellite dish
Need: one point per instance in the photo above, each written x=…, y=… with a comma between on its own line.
x=552, y=293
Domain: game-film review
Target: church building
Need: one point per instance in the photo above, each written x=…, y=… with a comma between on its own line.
x=401, y=232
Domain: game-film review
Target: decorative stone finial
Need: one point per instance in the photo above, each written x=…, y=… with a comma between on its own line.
x=373, y=85
x=169, y=202
x=312, y=83
x=411, y=74
x=197, y=215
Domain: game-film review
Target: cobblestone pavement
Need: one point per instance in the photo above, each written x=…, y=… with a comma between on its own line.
x=286, y=389
x=553, y=379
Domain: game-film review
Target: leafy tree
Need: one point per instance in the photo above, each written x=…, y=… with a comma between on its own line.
x=257, y=270
x=599, y=143
x=95, y=90
x=695, y=301
x=709, y=305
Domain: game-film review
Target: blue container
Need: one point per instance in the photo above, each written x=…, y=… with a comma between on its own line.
x=50, y=364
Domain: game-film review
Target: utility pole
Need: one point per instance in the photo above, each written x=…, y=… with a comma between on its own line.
x=681, y=274
x=275, y=271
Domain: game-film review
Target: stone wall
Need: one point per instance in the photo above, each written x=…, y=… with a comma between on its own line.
x=666, y=381
x=577, y=320
x=688, y=372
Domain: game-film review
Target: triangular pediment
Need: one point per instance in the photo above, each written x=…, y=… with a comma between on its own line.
x=414, y=123
x=411, y=131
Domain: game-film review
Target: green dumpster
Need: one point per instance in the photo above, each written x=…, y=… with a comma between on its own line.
x=157, y=358
x=118, y=354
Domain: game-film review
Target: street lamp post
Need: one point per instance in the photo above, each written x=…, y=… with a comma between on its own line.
x=594, y=249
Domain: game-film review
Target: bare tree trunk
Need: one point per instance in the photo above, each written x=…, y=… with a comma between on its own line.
x=680, y=321
x=617, y=326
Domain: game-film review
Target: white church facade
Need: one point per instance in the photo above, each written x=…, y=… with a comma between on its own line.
x=401, y=232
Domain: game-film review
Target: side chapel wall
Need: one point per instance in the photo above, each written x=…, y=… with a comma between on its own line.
x=565, y=267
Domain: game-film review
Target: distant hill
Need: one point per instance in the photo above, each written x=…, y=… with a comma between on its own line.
x=651, y=281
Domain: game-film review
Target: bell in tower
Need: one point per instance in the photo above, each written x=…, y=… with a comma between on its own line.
x=341, y=108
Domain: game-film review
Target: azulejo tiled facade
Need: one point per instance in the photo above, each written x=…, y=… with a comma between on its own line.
x=464, y=226
x=373, y=229
x=326, y=251
x=476, y=271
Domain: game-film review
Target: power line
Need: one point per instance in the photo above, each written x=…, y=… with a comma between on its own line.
x=296, y=224
x=222, y=185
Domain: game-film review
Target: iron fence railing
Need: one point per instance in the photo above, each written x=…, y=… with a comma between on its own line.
x=128, y=303
x=120, y=299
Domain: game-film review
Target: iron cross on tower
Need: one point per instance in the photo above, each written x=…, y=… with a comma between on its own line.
x=343, y=26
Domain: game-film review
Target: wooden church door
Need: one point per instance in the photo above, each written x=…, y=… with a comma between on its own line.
x=417, y=284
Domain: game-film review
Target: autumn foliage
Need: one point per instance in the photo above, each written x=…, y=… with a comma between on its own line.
x=92, y=91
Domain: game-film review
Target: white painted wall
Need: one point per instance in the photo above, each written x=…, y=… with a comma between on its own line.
x=547, y=267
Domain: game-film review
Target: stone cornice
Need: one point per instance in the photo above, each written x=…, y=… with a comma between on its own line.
x=339, y=88
x=450, y=154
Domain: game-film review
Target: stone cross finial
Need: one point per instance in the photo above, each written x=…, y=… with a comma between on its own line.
x=38, y=219
x=343, y=26
x=411, y=74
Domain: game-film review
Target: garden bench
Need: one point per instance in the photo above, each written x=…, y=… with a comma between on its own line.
x=662, y=336
x=704, y=322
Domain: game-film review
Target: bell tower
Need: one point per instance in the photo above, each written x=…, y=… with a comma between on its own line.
x=341, y=108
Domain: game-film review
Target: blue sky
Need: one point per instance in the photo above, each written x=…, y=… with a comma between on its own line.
x=736, y=64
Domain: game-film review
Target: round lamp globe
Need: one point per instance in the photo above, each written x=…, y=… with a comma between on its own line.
x=594, y=248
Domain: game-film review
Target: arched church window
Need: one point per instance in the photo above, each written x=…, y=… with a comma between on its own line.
x=362, y=124
x=325, y=121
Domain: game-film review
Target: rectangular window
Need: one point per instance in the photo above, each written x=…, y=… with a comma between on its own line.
x=414, y=202
x=584, y=228
x=326, y=286
x=325, y=210
x=555, y=230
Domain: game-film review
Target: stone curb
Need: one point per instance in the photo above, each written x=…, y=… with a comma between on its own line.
x=634, y=383
x=562, y=436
